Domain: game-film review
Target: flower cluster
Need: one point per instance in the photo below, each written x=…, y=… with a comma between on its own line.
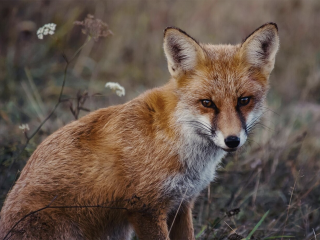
x=48, y=28
x=24, y=127
x=120, y=91
x=93, y=27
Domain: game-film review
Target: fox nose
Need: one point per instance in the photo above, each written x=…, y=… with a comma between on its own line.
x=232, y=141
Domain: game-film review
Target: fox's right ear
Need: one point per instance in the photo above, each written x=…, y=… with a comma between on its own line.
x=182, y=51
x=259, y=49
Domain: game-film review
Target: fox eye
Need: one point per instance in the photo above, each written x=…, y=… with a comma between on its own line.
x=208, y=103
x=243, y=101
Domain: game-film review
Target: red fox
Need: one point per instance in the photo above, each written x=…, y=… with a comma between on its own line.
x=138, y=167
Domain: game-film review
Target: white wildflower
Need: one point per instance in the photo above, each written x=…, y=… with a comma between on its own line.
x=120, y=91
x=48, y=28
x=24, y=127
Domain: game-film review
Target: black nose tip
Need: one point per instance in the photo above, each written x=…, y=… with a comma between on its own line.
x=232, y=141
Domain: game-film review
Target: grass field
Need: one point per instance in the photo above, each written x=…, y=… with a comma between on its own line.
x=278, y=170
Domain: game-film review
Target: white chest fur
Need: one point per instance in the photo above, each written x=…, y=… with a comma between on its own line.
x=201, y=162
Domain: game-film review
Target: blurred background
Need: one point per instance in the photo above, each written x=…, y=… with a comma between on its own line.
x=278, y=170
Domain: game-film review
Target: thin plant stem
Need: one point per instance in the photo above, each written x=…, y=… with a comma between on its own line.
x=175, y=216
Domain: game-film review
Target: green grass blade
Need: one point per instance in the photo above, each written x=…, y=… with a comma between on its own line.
x=201, y=231
x=256, y=227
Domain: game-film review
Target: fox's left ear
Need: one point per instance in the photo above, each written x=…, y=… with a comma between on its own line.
x=182, y=51
x=260, y=47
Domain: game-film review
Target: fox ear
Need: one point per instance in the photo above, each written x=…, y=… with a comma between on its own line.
x=260, y=47
x=183, y=53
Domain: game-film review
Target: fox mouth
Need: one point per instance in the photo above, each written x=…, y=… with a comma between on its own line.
x=229, y=150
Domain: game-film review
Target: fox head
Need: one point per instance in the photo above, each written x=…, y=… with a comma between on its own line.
x=221, y=88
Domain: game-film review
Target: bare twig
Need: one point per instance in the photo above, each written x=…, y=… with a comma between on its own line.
x=80, y=99
x=31, y=213
x=315, y=236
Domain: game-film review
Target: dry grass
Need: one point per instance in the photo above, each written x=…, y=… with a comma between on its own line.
x=279, y=168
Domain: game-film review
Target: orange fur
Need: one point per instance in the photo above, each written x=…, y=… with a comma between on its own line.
x=130, y=167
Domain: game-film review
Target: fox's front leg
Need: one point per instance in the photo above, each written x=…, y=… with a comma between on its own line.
x=149, y=226
x=181, y=224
